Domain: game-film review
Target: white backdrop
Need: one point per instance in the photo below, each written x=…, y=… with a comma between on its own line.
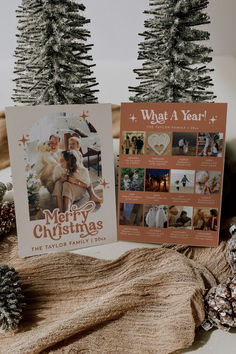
x=114, y=27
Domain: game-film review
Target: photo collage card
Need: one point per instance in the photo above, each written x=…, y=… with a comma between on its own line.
x=171, y=172
x=63, y=176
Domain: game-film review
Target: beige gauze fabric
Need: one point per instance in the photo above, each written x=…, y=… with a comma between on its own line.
x=146, y=301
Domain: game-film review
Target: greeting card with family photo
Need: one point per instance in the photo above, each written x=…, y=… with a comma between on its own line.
x=171, y=172
x=63, y=176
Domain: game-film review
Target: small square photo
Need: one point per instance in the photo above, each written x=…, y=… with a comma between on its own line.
x=132, y=179
x=156, y=216
x=210, y=144
x=208, y=182
x=133, y=143
x=157, y=180
x=159, y=144
x=131, y=214
x=205, y=219
x=180, y=217
x=184, y=144
x=182, y=181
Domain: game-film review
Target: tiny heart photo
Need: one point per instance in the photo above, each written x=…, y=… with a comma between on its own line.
x=159, y=144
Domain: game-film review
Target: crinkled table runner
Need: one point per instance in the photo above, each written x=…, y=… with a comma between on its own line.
x=146, y=301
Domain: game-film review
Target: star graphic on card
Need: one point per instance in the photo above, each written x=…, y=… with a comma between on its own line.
x=84, y=116
x=104, y=184
x=212, y=120
x=23, y=140
x=133, y=118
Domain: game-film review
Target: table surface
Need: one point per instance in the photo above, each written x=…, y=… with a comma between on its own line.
x=214, y=341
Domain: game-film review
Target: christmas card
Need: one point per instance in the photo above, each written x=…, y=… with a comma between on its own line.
x=171, y=172
x=63, y=176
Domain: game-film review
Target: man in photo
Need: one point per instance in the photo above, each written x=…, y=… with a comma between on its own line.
x=211, y=220
x=183, y=220
x=198, y=220
x=54, y=141
x=139, y=145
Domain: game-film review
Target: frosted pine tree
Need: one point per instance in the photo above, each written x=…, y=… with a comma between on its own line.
x=27, y=39
x=57, y=67
x=175, y=61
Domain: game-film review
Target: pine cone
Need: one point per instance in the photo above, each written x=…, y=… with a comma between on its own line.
x=9, y=186
x=231, y=249
x=220, y=305
x=11, y=298
x=7, y=217
x=3, y=189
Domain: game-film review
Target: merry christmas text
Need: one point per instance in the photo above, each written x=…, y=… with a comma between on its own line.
x=58, y=224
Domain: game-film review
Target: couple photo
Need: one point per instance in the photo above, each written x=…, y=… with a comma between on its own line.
x=62, y=158
x=184, y=144
x=205, y=219
x=210, y=144
x=133, y=143
x=180, y=217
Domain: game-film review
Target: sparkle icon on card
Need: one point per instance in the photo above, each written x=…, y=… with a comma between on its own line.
x=133, y=119
x=104, y=183
x=212, y=120
x=84, y=115
x=23, y=140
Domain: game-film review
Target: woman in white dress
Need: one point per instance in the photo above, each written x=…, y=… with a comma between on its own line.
x=185, y=147
x=74, y=145
x=73, y=184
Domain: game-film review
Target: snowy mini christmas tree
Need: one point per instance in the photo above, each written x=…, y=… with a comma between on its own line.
x=52, y=61
x=175, y=61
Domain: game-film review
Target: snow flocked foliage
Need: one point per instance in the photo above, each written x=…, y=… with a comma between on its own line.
x=174, y=67
x=52, y=61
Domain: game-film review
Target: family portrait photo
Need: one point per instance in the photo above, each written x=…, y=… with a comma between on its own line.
x=157, y=180
x=63, y=164
x=208, y=182
x=159, y=144
x=180, y=217
x=156, y=216
x=182, y=181
x=205, y=219
x=210, y=144
x=184, y=144
x=131, y=214
x=132, y=179
x=133, y=143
